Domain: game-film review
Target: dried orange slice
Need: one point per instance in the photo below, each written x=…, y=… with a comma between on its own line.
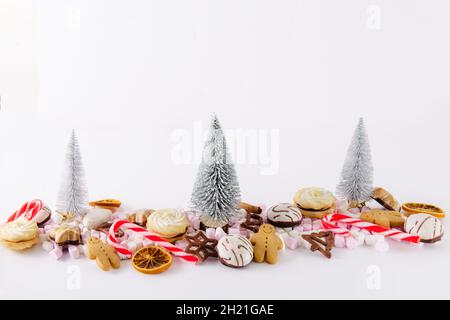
x=413, y=208
x=152, y=260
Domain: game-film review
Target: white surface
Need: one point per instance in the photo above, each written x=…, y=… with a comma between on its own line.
x=130, y=76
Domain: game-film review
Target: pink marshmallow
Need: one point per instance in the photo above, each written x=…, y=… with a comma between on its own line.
x=132, y=246
x=351, y=243
x=317, y=225
x=74, y=252
x=210, y=233
x=56, y=253
x=307, y=227
x=139, y=244
x=339, y=241
x=359, y=236
x=220, y=234
x=234, y=231
x=47, y=246
x=244, y=232
x=291, y=243
x=195, y=223
x=306, y=221
x=342, y=206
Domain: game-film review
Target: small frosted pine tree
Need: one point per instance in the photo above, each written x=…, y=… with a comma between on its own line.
x=216, y=193
x=73, y=195
x=356, y=183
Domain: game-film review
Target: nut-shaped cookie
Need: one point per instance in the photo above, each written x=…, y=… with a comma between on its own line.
x=384, y=218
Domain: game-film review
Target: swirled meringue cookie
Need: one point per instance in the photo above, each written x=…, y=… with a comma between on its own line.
x=169, y=224
x=315, y=202
x=19, y=234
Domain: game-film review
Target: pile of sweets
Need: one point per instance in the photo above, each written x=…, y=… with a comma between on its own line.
x=152, y=239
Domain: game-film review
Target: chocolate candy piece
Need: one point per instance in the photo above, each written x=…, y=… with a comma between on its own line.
x=321, y=241
x=252, y=222
x=201, y=246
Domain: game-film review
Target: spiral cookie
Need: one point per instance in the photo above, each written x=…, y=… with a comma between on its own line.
x=169, y=224
x=235, y=251
x=284, y=215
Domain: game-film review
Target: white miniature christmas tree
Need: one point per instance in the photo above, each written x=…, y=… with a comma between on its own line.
x=356, y=183
x=216, y=193
x=73, y=195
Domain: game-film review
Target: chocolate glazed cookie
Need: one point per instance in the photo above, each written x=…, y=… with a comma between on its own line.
x=284, y=215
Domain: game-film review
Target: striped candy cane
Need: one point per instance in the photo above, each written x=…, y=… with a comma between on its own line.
x=329, y=222
x=29, y=209
x=126, y=225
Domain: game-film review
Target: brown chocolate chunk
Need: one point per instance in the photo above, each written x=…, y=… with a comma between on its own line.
x=201, y=246
x=321, y=241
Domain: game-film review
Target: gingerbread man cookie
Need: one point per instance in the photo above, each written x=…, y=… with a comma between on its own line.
x=266, y=244
x=383, y=218
x=104, y=254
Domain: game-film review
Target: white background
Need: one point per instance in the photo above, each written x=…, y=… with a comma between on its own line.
x=129, y=74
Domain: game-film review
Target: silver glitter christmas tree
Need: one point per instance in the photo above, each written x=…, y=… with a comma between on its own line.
x=357, y=175
x=73, y=195
x=216, y=193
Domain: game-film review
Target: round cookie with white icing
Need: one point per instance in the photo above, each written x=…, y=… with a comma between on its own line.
x=235, y=251
x=284, y=215
x=429, y=228
x=169, y=224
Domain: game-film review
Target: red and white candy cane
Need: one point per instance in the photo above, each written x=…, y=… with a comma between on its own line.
x=126, y=225
x=330, y=223
x=29, y=209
